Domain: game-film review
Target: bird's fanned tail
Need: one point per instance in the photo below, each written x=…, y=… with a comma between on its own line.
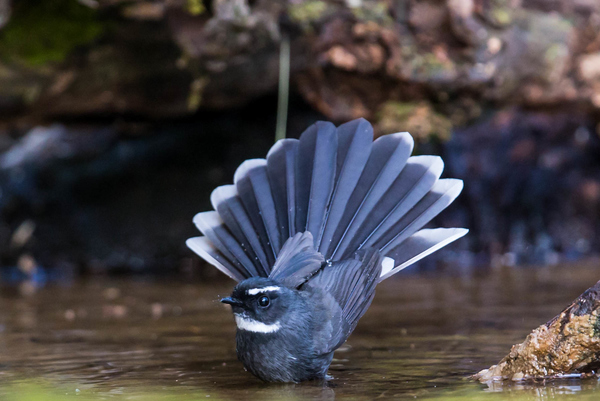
x=349, y=192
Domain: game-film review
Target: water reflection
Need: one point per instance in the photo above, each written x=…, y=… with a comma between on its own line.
x=154, y=340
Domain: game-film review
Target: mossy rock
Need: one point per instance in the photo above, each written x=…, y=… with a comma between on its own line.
x=195, y=7
x=417, y=118
x=501, y=13
x=307, y=12
x=42, y=32
x=375, y=11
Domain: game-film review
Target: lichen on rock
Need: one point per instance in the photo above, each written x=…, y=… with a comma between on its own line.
x=419, y=119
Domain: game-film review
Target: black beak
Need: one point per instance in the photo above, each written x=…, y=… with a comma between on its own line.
x=232, y=301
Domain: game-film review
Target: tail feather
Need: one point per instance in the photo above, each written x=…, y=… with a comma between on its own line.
x=204, y=247
x=420, y=245
x=211, y=225
x=441, y=195
x=253, y=188
x=315, y=175
x=355, y=140
x=387, y=159
x=227, y=203
x=415, y=180
x=348, y=192
x=281, y=166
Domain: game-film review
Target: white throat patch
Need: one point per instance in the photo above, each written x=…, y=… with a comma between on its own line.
x=245, y=323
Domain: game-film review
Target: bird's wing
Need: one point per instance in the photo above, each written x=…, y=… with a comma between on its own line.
x=297, y=261
x=349, y=288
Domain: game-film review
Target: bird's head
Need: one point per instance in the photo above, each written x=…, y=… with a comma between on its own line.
x=260, y=305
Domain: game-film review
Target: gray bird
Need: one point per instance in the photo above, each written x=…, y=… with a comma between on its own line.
x=310, y=231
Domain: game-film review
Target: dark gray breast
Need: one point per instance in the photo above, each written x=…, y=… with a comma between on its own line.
x=293, y=352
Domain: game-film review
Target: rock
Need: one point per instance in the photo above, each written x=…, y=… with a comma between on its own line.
x=419, y=119
x=172, y=58
x=44, y=145
x=341, y=58
x=427, y=16
x=589, y=66
x=589, y=70
x=145, y=11
x=537, y=51
x=463, y=25
x=569, y=344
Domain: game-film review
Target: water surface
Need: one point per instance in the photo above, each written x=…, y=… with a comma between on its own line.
x=133, y=339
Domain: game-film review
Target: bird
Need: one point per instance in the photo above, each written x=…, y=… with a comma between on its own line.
x=309, y=232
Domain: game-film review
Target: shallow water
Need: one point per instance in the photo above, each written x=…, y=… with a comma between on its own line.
x=151, y=340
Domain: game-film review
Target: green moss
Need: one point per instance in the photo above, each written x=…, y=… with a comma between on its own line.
x=596, y=324
x=501, y=16
x=398, y=109
x=548, y=26
x=431, y=64
x=195, y=7
x=427, y=67
x=195, y=96
x=499, y=12
x=417, y=118
x=307, y=11
x=46, y=31
x=547, y=40
x=376, y=11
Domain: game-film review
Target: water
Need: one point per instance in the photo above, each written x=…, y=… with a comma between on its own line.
x=151, y=340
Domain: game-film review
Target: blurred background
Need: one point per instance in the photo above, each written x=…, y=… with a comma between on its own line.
x=118, y=118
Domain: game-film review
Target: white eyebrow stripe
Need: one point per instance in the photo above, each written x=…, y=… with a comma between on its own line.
x=254, y=291
x=244, y=323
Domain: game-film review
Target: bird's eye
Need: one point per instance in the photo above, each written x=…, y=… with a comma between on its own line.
x=264, y=301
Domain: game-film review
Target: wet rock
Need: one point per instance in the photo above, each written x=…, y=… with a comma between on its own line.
x=569, y=344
